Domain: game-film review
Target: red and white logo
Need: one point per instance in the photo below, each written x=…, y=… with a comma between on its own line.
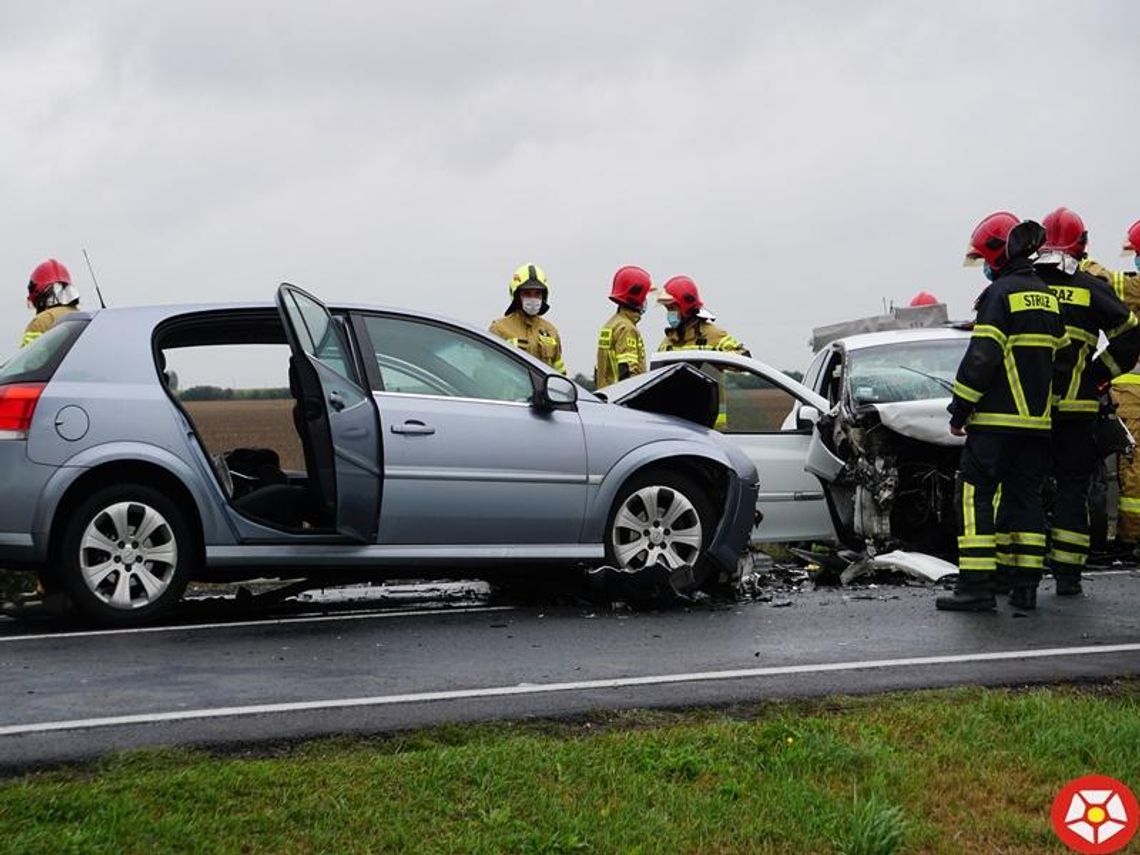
x=1095, y=815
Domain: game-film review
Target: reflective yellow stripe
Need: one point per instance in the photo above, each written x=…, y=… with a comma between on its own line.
x=1033, y=301
x=987, y=331
x=1078, y=370
x=969, y=523
x=977, y=541
x=1067, y=406
x=605, y=338
x=1128, y=505
x=1014, y=380
x=1113, y=368
x=1004, y=420
x=968, y=563
x=29, y=337
x=728, y=343
x=1030, y=562
x=963, y=391
x=1004, y=558
x=1128, y=379
x=559, y=366
x=1071, y=296
x=1002, y=538
x=1078, y=558
x=1118, y=283
x=1027, y=538
x=1082, y=335
x=1124, y=327
x=1037, y=340
x=629, y=358
x=997, y=503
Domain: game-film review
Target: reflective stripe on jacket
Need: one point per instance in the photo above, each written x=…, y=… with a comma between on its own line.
x=536, y=335
x=621, y=351
x=1088, y=307
x=1006, y=377
x=701, y=335
x=44, y=321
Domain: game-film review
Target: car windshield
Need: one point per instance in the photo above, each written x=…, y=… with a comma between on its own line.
x=907, y=371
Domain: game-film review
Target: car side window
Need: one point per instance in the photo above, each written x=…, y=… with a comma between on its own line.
x=811, y=376
x=420, y=358
x=753, y=404
x=318, y=333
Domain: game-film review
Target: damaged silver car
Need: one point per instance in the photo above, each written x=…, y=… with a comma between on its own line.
x=859, y=452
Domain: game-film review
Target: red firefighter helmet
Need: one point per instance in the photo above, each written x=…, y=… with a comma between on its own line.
x=682, y=291
x=1065, y=232
x=50, y=285
x=1132, y=240
x=631, y=287
x=924, y=298
x=987, y=243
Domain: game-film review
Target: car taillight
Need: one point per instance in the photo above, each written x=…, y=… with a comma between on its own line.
x=17, y=405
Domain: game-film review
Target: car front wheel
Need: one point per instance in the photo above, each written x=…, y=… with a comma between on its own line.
x=126, y=554
x=661, y=518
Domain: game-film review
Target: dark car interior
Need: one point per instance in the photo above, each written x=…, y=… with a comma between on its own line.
x=251, y=473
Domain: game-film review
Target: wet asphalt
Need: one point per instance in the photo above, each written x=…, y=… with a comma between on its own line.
x=227, y=677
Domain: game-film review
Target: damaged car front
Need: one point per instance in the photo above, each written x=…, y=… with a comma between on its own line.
x=884, y=449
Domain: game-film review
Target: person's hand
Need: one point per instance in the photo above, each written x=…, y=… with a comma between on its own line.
x=958, y=430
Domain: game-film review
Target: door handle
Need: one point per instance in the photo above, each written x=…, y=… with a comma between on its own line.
x=413, y=427
x=336, y=401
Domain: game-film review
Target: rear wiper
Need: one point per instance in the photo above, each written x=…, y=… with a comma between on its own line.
x=941, y=381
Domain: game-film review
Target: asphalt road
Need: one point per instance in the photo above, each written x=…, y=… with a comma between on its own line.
x=74, y=694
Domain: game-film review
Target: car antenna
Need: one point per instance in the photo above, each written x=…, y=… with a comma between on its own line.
x=91, y=270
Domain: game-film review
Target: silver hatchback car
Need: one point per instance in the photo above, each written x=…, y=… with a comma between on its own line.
x=423, y=447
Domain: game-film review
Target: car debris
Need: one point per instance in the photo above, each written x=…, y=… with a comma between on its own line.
x=917, y=565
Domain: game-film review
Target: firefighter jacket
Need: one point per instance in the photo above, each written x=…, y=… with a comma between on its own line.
x=699, y=334
x=535, y=335
x=621, y=351
x=44, y=321
x=1126, y=286
x=1088, y=306
x=1006, y=378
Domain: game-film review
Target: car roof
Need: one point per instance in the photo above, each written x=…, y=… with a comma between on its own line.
x=875, y=339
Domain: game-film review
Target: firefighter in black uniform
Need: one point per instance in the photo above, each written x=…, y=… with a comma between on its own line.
x=1088, y=307
x=1002, y=404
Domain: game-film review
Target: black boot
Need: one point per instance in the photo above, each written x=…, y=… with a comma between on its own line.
x=1023, y=593
x=1068, y=583
x=973, y=592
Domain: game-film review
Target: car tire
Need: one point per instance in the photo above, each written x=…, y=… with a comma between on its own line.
x=126, y=555
x=678, y=516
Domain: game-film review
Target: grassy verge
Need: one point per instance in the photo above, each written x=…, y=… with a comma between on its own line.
x=966, y=770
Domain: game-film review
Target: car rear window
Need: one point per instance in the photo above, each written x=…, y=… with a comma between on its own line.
x=37, y=362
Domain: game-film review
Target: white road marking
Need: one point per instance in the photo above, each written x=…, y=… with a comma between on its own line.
x=549, y=688
x=304, y=618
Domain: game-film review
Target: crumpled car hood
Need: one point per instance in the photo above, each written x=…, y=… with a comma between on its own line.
x=676, y=390
x=926, y=421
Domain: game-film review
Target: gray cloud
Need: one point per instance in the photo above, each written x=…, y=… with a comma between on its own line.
x=803, y=164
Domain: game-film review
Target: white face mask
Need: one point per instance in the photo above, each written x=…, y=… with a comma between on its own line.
x=531, y=305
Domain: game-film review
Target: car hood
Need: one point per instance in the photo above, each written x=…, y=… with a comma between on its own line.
x=925, y=420
x=676, y=390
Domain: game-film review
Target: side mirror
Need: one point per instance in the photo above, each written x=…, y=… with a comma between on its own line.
x=807, y=416
x=556, y=392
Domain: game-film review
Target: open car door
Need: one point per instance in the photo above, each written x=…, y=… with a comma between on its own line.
x=342, y=446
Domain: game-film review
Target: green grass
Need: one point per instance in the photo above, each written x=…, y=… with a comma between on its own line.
x=967, y=770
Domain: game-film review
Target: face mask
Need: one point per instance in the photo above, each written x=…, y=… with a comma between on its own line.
x=531, y=305
x=989, y=272
x=673, y=319
x=1136, y=261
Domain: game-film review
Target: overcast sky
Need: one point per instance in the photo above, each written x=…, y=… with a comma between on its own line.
x=803, y=162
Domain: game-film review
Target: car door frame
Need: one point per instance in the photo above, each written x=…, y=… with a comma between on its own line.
x=352, y=423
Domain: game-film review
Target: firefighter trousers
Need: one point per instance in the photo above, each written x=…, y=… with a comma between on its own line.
x=1001, y=519
x=1074, y=459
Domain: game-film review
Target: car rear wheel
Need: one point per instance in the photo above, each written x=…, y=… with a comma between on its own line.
x=661, y=517
x=127, y=554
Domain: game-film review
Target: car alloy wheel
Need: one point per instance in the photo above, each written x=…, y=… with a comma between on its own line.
x=656, y=524
x=128, y=555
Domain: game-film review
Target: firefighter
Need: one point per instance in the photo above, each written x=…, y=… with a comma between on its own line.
x=924, y=298
x=689, y=326
x=1126, y=398
x=621, y=351
x=522, y=324
x=1088, y=308
x=51, y=295
x=1002, y=397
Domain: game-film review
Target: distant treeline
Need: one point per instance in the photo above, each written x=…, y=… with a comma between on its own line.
x=217, y=393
